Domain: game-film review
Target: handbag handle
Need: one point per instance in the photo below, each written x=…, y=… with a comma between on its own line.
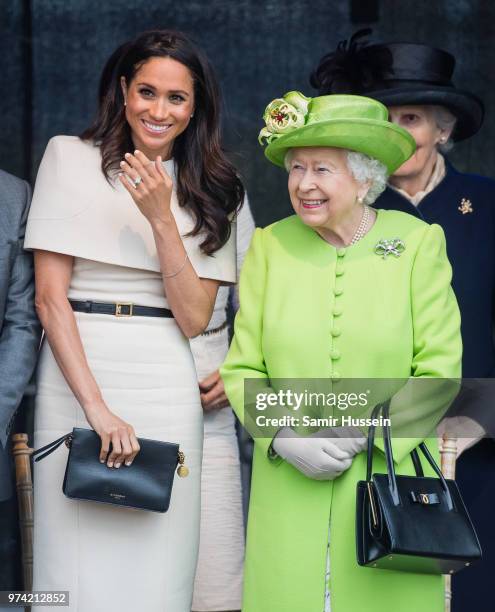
x=49, y=448
x=389, y=458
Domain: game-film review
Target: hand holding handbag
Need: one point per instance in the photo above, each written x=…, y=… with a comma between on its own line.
x=145, y=485
x=411, y=523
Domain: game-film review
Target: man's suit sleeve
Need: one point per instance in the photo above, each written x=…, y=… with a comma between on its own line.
x=20, y=333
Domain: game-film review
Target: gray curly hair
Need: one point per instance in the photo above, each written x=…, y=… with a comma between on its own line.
x=368, y=170
x=364, y=169
x=445, y=120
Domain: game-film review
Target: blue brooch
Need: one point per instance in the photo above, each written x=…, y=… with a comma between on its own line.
x=394, y=246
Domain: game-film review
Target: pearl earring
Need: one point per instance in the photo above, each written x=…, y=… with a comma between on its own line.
x=360, y=200
x=192, y=115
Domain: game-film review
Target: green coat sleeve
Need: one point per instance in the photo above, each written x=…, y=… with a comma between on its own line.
x=436, y=318
x=245, y=357
x=437, y=347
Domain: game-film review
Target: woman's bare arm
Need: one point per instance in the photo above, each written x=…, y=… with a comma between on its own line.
x=53, y=272
x=191, y=298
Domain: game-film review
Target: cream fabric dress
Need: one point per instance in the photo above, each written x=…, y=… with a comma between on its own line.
x=218, y=583
x=112, y=558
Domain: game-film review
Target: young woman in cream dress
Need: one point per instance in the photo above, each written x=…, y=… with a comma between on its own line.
x=138, y=210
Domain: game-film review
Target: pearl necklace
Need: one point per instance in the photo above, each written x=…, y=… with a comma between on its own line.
x=361, y=230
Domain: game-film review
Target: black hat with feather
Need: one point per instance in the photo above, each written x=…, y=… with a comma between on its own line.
x=398, y=74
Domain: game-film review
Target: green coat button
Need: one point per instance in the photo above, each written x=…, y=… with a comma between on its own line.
x=336, y=332
x=336, y=377
x=335, y=354
x=339, y=270
x=336, y=311
x=341, y=252
x=338, y=290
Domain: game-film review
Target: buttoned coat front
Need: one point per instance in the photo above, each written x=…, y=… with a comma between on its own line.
x=309, y=310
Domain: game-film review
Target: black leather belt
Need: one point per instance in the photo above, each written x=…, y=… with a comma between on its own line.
x=119, y=309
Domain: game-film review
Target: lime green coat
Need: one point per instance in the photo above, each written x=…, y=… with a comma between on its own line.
x=395, y=318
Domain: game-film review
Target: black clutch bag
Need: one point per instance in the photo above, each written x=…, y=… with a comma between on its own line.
x=412, y=523
x=145, y=485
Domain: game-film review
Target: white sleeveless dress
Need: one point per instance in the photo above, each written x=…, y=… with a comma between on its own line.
x=112, y=558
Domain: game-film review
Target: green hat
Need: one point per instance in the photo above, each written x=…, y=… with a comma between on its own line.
x=348, y=122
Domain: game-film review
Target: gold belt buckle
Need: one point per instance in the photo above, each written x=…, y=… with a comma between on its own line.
x=118, y=309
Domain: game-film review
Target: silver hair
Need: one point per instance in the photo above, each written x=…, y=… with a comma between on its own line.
x=287, y=159
x=445, y=120
x=368, y=170
x=363, y=169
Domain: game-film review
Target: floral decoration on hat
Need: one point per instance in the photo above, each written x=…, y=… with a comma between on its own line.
x=283, y=115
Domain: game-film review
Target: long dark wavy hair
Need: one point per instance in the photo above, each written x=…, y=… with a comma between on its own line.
x=207, y=183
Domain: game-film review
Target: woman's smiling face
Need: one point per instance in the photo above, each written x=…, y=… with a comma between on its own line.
x=321, y=188
x=159, y=105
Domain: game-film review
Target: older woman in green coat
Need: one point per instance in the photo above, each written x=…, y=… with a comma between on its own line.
x=337, y=291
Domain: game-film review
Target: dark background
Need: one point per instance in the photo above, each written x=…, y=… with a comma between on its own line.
x=52, y=52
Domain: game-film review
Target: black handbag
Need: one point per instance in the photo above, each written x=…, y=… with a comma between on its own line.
x=146, y=484
x=411, y=523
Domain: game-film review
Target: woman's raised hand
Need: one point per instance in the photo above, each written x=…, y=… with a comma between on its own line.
x=112, y=429
x=148, y=184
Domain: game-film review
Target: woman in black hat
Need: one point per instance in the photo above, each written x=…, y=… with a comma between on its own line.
x=415, y=82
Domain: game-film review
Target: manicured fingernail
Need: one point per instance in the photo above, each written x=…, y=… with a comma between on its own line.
x=122, y=163
x=127, y=155
x=117, y=465
x=128, y=462
x=102, y=460
x=110, y=464
x=137, y=151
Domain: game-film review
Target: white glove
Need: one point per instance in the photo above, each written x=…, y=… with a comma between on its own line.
x=315, y=457
x=349, y=439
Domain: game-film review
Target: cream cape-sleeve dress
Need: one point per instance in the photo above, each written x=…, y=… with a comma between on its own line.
x=112, y=558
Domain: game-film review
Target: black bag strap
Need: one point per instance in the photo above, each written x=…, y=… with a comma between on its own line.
x=418, y=468
x=49, y=448
x=389, y=458
x=371, y=441
x=438, y=472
